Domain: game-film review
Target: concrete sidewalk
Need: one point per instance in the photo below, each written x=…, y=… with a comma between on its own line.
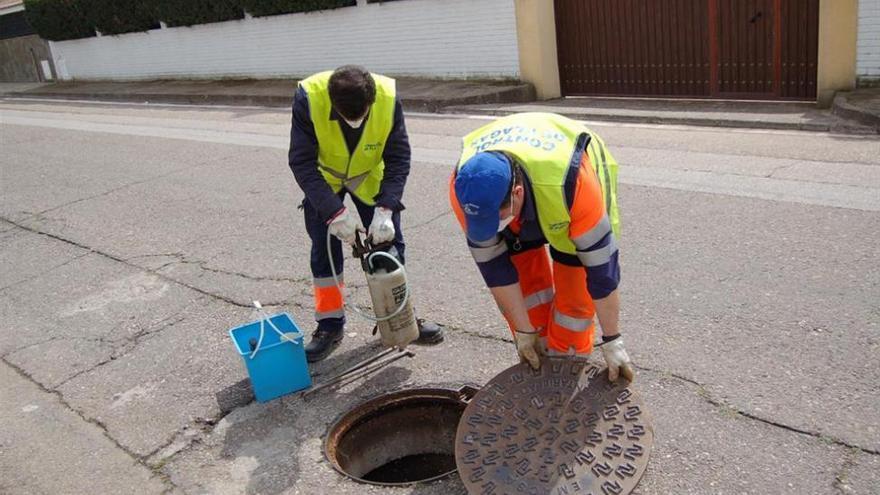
x=416, y=94
x=853, y=113
x=861, y=105
x=714, y=113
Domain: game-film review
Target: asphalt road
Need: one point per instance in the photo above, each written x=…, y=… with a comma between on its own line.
x=132, y=237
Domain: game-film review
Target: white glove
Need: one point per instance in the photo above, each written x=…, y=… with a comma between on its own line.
x=617, y=360
x=344, y=227
x=530, y=347
x=382, y=228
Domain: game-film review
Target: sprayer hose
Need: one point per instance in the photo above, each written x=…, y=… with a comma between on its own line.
x=373, y=317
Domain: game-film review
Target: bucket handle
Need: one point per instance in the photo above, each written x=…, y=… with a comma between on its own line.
x=263, y=319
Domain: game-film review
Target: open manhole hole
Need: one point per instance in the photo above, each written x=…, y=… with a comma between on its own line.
x=400, y=438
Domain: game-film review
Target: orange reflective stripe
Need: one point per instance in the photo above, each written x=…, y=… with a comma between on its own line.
x=535, y=279
x=588, y=207
x=539, y=317
x=533, y=267
x=574, y=303
x=572, y=297
x=328, y=299
x=453, y=202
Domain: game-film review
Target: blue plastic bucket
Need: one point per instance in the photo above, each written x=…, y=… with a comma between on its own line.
x=279, y=366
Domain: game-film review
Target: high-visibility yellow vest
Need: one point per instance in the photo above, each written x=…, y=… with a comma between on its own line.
x=546, y=145
x=360, y=172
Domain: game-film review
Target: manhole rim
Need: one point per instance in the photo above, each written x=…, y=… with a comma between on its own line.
x=460, y=393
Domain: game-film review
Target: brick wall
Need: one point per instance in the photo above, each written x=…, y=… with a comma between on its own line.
x=868, y=58
x=438, y=38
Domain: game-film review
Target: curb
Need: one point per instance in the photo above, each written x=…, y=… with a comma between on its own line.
x=233, y=100
x=842, y=108
x=860, y=122
x=835, y=127
x=522, y=93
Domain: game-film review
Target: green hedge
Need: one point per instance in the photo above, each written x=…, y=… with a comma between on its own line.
x=122, y=16
x=259, y=8
x=59, y=20
x=71, y=19
x=190, y=12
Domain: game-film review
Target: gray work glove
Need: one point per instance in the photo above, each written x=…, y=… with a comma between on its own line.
x=530, y=347
x=382, y=227
x=617, y=360
x=344, y=227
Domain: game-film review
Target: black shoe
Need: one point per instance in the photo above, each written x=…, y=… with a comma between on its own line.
x=323, y=343
x=429, y=332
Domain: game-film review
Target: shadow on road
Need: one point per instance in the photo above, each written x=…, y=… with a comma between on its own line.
x=268, y=447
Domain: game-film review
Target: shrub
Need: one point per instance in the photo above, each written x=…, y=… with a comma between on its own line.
x=258, y=8
x=190, y=12
x=122, y=16
x=59, y=20
x=71, y=19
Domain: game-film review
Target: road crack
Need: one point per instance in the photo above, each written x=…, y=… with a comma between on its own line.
x=436, y=217
x=138, y=459
x=181, y=259
x=110, y=191
x=125, y=346
x=217, y=297
x=707, y=396
x=478, y=335
x=202, y=265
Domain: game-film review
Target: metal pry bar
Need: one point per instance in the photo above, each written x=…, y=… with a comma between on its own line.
x=362, y=369
x=374, y=368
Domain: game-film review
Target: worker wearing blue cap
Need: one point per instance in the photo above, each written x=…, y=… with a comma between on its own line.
x=533, y=179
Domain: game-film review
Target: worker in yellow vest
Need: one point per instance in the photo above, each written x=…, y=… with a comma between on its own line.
x=532, y=179
x=348, y=136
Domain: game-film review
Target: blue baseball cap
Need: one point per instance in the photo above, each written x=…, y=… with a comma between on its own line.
x=481, y=185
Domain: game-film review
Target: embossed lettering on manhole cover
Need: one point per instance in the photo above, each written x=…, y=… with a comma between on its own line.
x=564, y=429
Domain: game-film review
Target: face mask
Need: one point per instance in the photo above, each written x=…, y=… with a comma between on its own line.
x=504, y=223
x=506, y=220
x=355, y=124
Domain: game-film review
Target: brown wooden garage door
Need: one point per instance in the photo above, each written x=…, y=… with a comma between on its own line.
x=702, y=48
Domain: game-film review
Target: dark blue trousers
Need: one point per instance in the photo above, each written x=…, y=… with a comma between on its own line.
x=320, y=262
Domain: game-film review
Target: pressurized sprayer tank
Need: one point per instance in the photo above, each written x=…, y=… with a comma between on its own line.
x=386, y=279
x=388, y=290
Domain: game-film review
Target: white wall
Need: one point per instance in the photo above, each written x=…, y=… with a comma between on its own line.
x=440, y=38
x=868, y=58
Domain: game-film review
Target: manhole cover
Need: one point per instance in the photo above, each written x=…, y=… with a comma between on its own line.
x=399, y=438
x=563, y=429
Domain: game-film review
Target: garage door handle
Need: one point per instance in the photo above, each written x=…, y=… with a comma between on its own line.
x=756, y=16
